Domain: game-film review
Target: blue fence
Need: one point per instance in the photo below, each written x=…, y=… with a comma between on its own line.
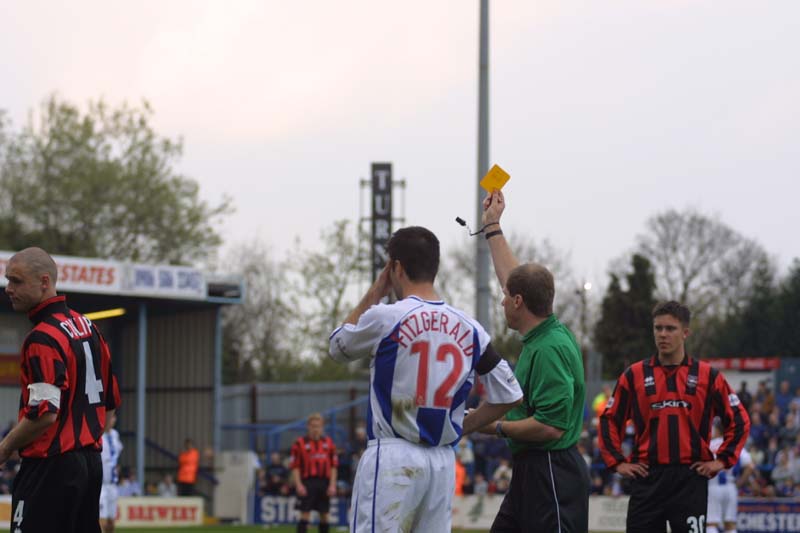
x=271, y=434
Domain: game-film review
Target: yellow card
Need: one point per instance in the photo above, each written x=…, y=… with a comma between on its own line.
x=495, y=179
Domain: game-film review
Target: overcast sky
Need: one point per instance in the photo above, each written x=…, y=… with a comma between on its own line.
x=604, y=112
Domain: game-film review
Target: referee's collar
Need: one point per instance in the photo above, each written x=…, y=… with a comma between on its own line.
x=48, y=307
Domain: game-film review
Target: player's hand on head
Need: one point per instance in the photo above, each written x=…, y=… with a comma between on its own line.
x=493, y=206
x=384, y=281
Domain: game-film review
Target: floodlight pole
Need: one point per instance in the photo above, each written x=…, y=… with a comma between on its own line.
x=482, y=248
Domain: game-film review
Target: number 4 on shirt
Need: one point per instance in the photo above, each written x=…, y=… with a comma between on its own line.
x=93, y=386
x=443, y=397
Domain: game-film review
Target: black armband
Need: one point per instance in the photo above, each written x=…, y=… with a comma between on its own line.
x=488, y=360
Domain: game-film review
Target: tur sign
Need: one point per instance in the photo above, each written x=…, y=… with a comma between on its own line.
x=381, y=215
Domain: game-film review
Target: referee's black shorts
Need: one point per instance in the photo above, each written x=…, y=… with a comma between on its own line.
x=316, y=498
x=58, y=494
x=670, y=493
x=549, y=493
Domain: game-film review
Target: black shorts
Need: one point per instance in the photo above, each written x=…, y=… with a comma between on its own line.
x=549, y=492
x=59, y=493
x=674, y=494
x=316, y=498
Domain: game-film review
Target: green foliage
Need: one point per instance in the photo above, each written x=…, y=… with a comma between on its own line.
x=101, y=184
x=788, y=313
x=254, y=344
x=323, y=290
x=766, y=323
x=624, y=332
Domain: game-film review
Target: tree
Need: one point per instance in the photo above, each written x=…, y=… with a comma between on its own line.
x=752, y=329
x=788, y=312
x=456, y=284
x=254, y=333
x=624, y=332
x=701, y=262
x=323, y=290
x=102, y=184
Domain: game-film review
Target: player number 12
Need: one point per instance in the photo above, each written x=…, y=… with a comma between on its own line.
x=443, y=396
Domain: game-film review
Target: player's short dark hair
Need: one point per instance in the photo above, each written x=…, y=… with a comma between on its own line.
x=675, y=309
x=417, y=249
x=535, y=284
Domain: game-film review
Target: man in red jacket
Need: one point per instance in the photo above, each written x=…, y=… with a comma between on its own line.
x=188, y=465
x=672, y=399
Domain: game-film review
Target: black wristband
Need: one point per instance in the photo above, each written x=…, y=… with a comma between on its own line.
x=493, y=233
x=498, y=428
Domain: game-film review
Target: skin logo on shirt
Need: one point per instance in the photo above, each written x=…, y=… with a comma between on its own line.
x=610, y=403
x=649, y=381
x=734, y=400
x=665, y=404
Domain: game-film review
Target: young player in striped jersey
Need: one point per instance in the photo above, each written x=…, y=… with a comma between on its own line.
x=672, y=399
x=314, y=463
x=112, y=448
x=424, y=354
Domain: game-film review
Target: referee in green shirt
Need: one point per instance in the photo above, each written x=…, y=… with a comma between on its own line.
x=550, y=480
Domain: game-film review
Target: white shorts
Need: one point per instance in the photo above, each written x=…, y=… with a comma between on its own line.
x=722, y=502
x=401, y=486
x=108, y=501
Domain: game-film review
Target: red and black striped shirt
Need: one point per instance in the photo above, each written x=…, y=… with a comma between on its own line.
x=672, y=408
x=314, y=458
x=59, y=350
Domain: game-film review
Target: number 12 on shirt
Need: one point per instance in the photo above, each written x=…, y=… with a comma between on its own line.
x=443, y=396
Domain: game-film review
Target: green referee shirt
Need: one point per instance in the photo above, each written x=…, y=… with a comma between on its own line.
x=550, y=372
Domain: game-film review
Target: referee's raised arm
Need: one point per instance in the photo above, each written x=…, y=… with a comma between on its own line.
x=502, y=256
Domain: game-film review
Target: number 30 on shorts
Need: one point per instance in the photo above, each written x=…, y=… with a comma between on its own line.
x=697, y=524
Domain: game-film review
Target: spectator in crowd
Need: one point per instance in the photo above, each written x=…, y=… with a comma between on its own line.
x=794, y=413
x=597, y=484
x=787, y=434
x=276, y=475
x=502, y=477
x=188, y=465
x=758, y=430
x=466, y=455
x=783, y=398
x=783, y=475
x=744, y=396
x=600, y=401
x=167, y=487
x=481, y=485
x=128, y=485
x=461, y=475
x=151, y=488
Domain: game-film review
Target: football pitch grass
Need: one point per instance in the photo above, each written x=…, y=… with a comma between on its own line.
x=240, y=529
x=233, y=529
